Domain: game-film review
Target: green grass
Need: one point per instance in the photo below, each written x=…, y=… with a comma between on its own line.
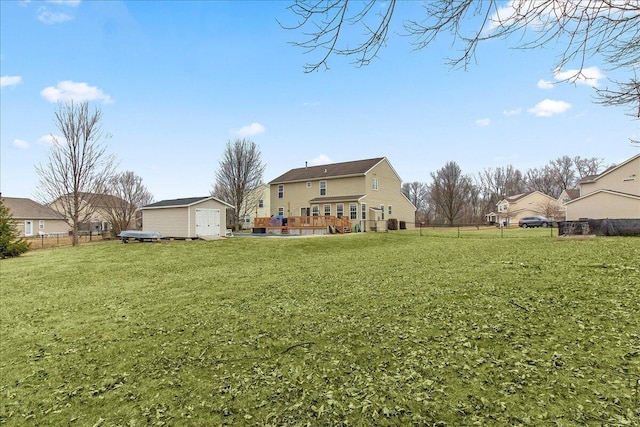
x=366, y=329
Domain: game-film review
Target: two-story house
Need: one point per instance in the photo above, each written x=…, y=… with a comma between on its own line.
x=511, y=209
x=614, y=193
x=368, y=192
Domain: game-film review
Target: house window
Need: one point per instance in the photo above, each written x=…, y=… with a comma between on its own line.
x=327, y=210
x=363, y=211
x=339, y=210
x=315, y=210
x=323, y=188
x=309, y=184
x=281, y=191
x=389, y=210
x=375, y=183
x=261, y=203
x=353, y=211
x=382, y=211
x=28, y=228
x=247, y=219
x=41, y=224
x=281, y=211
x=304, y=211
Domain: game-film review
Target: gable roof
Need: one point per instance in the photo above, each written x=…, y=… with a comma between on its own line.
x=183, y=203
x=22, y=208
x=334, y=170
x=572, y=193
x=593, y=178
x=518, y=197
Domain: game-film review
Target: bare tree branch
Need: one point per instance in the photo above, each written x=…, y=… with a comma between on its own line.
x=581, y=29
x=78, y=167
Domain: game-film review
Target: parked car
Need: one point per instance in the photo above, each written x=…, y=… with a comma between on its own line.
x=535, y=221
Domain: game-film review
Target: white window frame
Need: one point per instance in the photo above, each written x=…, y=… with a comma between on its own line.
x=375, y=184
x=281, y=211
x=28, y=228
x=327, y=210
x=323, y=188
x=315, y=210
x=363, y=207
x=41, y=224
x=340, y=210
x=389, y=210
x=280, y=191
x=353, y=211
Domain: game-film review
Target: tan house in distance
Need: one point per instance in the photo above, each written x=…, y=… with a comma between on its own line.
x=368, y=192
x=33, y=219
x=513, y=208
x=614, y=194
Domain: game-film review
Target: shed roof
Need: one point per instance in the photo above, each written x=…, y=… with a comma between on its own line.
x=23, y=208
x=184, y=202
x=333, y=170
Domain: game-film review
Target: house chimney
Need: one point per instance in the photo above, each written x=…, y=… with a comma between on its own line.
x=305, y=165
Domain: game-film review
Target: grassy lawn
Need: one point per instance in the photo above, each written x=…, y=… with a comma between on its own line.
x=366, y=329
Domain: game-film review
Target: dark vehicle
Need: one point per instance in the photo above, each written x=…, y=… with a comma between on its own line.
x=535, y=221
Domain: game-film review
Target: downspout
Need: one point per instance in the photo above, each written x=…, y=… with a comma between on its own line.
x=189, y=222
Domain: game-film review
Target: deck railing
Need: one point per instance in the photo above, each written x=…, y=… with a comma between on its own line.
x=341, y=224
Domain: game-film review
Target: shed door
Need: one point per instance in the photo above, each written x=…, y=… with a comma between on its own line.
x=207, y=222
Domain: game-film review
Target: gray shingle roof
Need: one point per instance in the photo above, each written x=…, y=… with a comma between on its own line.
x=177, y=202
x=357, y=167
x=22, y=208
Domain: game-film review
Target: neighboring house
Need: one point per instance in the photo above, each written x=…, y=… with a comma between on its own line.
x=368, y=192
x=34, y=219
x=94, y=212
x=256, y=205
x=614, y=194
x=188, y=218
x=513, y=208
x=566, y=196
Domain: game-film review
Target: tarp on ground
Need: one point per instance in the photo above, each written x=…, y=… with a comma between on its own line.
x=600, y=227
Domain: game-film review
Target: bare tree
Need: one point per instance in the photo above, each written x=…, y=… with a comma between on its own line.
x=581, y=29
x=418, y=194
x=450, y=191
x=78, y=167
x=498, y=183
x=543, y=180
x=239, y=174
x=125, y=195
x=563, y=172
x=586, y=167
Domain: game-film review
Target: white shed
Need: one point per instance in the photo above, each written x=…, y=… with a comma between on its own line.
x=188, y=218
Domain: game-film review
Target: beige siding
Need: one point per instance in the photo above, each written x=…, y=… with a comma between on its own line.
x=170, y=222
x=621, y=179
x=604, y=205
x=536, y=203
x=180, y=222
x=297, y=195
x=51, y=226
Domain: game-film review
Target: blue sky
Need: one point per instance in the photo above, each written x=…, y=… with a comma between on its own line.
x=177, y=80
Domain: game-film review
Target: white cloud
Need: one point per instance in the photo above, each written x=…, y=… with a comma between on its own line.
x=590, y=76
x=18, y=143
x=48, y=17
x=79, y=92
x=545, y=84
x=549, y=107
x=10, y=80
x=49, y=139
x=513, y=112
x=251, y=130
x=483, y=122
x=72, y=3
x=322, y=159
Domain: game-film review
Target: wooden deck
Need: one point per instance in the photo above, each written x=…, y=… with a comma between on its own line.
x=302, y=225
